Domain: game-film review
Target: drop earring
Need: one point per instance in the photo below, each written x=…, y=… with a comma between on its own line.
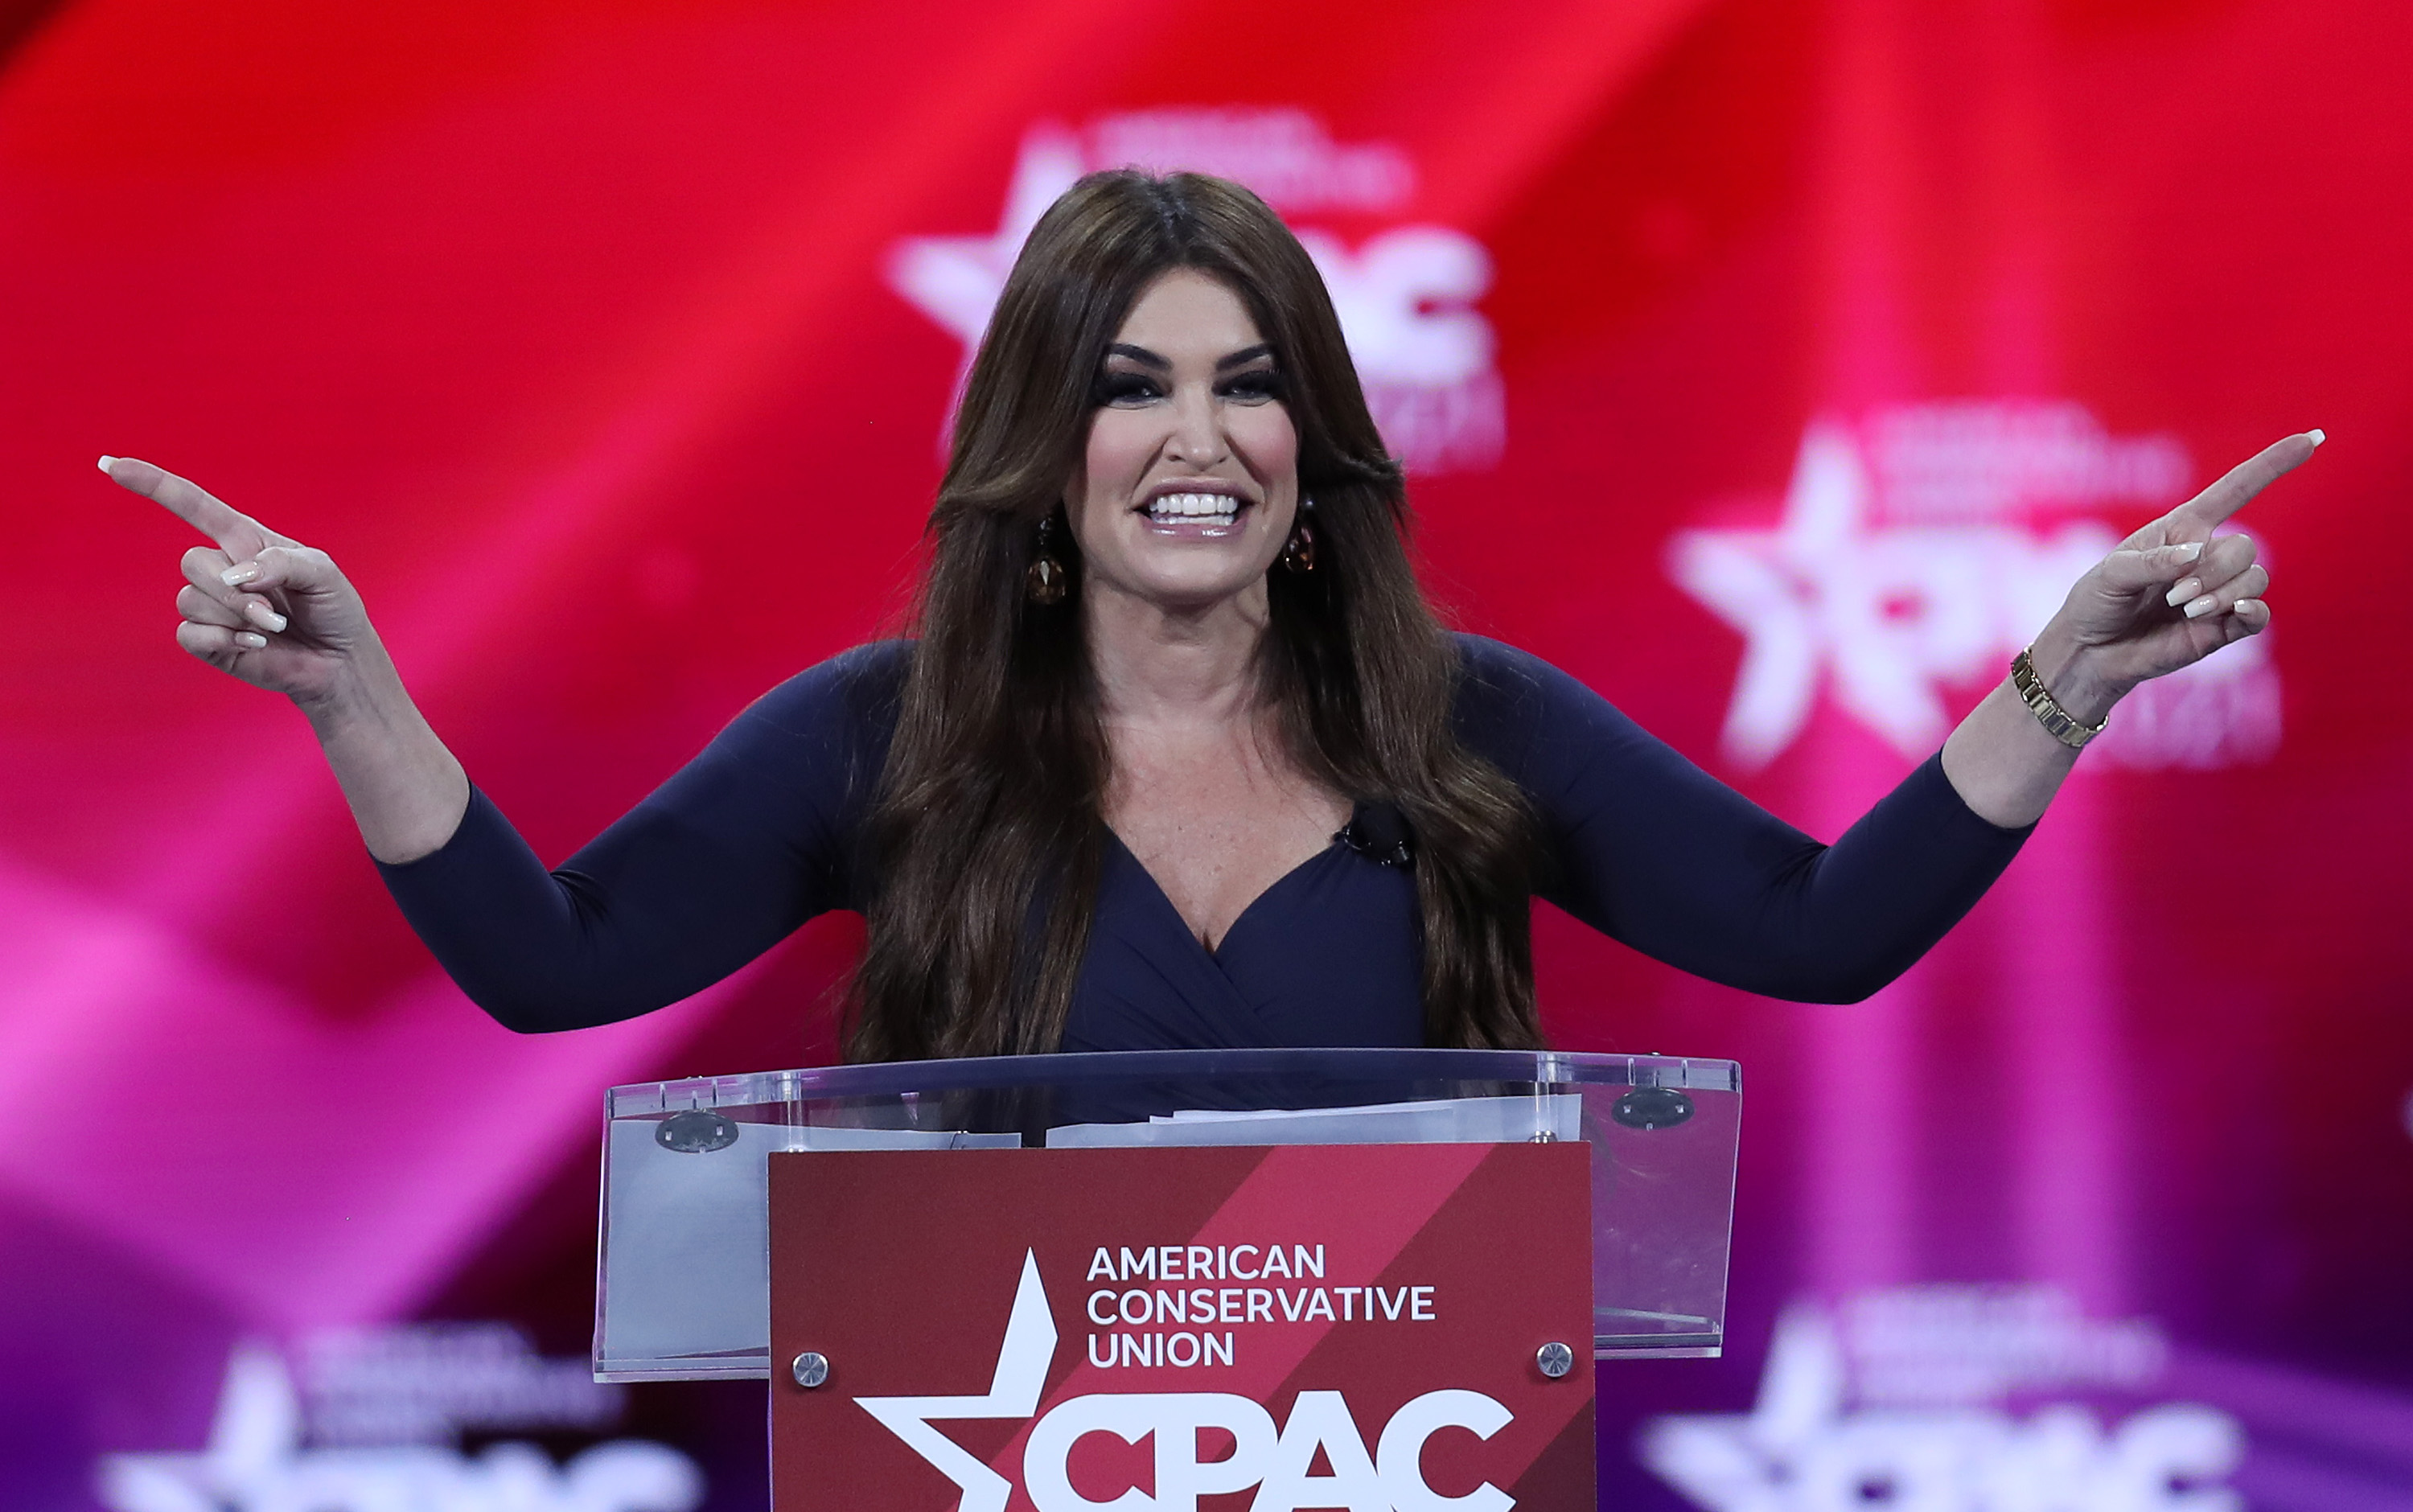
x=1298, y=552
x=1044, y=583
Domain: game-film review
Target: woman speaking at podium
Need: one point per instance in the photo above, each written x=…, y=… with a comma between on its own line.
x=1177, y=756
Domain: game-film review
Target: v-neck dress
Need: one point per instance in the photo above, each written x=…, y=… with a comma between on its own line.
x=764, y=830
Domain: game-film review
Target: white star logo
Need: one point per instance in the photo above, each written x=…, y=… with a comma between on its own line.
x=255, y=1462
x=1014, y=1391
x=955, y=280
x=1799, y=1449
x=1405, y=298
x=1888, y=617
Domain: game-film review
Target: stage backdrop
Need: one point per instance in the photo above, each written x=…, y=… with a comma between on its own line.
x=1770, y=364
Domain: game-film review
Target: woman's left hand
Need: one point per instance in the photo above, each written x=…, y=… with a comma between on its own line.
x=2172, y=594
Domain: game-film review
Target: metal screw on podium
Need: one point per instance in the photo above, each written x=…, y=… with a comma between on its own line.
x=1556, y=1359
x=812, y=1368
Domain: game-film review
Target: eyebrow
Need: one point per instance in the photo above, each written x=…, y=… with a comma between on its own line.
x=1149, y=358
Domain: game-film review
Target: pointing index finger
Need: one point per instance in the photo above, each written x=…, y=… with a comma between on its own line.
x=237, y=533
x=2239, y=485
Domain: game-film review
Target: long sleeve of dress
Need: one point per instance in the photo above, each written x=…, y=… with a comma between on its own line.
x=1646, y=847
x=742, y=845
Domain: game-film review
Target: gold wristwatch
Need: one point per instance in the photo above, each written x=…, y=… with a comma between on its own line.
x=2058, y=721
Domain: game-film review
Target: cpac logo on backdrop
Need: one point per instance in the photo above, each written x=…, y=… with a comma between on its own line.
x=1277, y=1462
x=368, y=1398
x=1921, y=548
x=1405, y=296
x=1926, y=1370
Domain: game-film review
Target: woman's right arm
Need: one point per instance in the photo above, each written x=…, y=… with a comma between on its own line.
x=737, y=849
x=278, y=614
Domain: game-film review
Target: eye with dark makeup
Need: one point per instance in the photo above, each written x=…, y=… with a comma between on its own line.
x=1124, y=387
x=1254, y=386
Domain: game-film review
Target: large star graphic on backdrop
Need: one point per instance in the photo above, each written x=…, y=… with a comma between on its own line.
x=955, y=280
x=1778, y=587
x=257, y=1461
x=1885, y=616
x=1802, y=1447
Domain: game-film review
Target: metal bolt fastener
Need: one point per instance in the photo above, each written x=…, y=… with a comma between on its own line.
x=1556, y=1359
x=812, y=1368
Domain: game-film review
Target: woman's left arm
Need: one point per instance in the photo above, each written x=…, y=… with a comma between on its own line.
x=2172, y=594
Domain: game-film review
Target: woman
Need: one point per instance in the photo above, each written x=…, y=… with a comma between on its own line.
x=1180, y=757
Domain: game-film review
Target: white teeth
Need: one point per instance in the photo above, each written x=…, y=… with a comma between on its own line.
x=1208, y=508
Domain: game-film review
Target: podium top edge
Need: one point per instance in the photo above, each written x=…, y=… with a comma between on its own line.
x=1389, y=1068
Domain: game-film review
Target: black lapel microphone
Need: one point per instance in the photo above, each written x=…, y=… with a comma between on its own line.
x=1380, y=833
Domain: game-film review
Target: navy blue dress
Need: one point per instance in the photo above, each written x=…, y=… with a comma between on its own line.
x=761, y=832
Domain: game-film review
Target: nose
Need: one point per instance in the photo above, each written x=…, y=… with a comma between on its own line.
x=1196, y=440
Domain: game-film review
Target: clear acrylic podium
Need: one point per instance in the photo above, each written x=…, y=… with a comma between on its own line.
x=683, y=1279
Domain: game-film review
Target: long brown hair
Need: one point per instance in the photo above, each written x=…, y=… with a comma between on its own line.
x=987, y=834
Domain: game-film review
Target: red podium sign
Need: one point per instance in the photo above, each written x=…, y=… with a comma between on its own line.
x=1177, y=1329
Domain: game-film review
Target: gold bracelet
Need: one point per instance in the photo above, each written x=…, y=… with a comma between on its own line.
x=2058, y=721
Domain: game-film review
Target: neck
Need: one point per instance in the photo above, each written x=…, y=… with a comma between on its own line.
x=1159, y=664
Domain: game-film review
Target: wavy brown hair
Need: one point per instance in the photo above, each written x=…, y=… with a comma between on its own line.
x=987, y=834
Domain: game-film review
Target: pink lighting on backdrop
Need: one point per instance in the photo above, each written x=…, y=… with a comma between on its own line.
x=1758, y=361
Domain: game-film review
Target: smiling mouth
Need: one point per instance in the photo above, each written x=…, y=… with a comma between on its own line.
x=1207, y=511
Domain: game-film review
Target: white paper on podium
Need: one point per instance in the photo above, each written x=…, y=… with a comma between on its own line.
x=1456, y=1121
x=689, y=1234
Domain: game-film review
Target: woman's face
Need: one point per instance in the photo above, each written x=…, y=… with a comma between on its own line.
x=1190, y=483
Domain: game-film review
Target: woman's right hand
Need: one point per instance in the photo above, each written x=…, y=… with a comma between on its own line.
x=277, y=614
x=264, y=607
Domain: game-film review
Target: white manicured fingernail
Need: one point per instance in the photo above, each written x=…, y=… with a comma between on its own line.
x=105, y=463
x=264, y=617
x=2318, y=436
x=250, y=641
x=239, y=574
x=2239, y=607
x=2203, y=606
x=2187, y=588
x=2192, y=550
